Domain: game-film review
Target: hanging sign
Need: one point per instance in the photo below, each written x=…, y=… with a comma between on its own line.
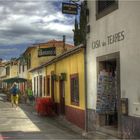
x=69, y=8
x=47, y=52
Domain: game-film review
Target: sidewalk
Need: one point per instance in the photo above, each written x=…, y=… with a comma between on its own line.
x=64, y=124
x=25, y=123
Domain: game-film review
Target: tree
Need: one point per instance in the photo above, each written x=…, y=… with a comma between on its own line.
x=76, y=33
x=83, y=22
x=80, y=29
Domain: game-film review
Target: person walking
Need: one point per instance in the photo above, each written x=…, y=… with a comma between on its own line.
x=14, y=95
x=30, y=95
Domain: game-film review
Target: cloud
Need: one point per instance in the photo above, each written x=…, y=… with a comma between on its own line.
x=7, y=51
x=26, y=22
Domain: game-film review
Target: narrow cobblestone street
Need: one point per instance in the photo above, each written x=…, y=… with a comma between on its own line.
x=24, y=123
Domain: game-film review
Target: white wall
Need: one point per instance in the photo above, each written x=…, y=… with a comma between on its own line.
x=2, y=71
x=125, y=18
x=36, y=73
x=23, y=74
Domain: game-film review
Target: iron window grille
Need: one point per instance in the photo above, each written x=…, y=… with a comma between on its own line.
x=74, y=86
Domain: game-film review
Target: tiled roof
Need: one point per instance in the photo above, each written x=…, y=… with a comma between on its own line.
x=55, y=42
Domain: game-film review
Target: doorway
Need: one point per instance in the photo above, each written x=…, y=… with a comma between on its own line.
x=108, y=91
x=52, y=88
x=40, y=84
x=62, y=97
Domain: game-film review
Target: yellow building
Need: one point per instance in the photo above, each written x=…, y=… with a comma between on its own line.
x=64, y=82
x=10, y=70
x=37, y=54
x=13, y=68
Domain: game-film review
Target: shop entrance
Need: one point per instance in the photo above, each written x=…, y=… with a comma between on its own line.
x=108, y=91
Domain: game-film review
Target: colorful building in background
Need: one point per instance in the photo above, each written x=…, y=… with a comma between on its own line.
x=33, y=56
x=38, y=54
x=9, y=70
x=62, y=79
x=2, y=73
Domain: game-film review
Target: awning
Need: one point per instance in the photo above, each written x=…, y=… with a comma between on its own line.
x=15, y=79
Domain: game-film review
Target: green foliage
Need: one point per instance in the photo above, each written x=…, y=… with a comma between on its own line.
x=80, y=29
x=77, y=40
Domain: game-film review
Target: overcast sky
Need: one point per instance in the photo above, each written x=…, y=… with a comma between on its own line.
x=24, y=22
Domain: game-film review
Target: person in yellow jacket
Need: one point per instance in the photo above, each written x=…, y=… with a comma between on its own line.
x=14, y=95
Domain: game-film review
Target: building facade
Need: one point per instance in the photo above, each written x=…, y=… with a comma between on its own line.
x=9, y=70
x=64, y=83
x=39, y=82
x=2, y=74
x=36, y=55
x=113, y=51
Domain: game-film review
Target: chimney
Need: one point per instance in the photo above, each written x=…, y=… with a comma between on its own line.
x=64, y=39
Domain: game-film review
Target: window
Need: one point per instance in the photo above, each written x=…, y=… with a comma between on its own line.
x=8, y=70
x=40, y=83
x=74, y=86
x=104, y=7
x=22, y=68
x=19, y=68
x=48, y=85
x=29, y=61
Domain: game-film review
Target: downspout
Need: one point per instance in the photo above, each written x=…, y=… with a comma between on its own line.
x=85, y=83
x=85, y=69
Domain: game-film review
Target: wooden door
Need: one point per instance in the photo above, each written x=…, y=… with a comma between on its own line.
x=52, y=88
x=62, y=97
x=40, y=82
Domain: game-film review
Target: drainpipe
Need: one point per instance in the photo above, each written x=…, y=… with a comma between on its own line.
x=85, y=77
x=85, y=70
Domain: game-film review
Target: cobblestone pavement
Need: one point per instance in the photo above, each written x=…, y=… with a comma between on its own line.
x=25, y=124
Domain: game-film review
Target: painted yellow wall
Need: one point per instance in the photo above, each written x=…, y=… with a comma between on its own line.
x=37, y=61
x=70, y=65
x=14, y=71
x=34, y=58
